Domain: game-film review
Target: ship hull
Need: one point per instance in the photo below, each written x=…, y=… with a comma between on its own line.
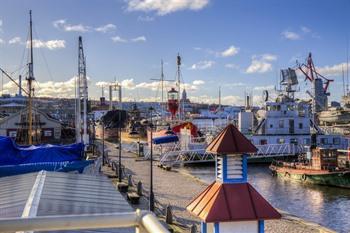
x=336, y=179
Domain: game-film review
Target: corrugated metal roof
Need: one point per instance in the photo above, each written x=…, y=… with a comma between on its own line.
x=231, y=141
x=62, y=194
x=222, y=202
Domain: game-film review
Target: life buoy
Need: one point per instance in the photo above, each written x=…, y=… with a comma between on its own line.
x=303, y=177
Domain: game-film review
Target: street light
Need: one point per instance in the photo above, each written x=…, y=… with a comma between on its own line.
x=151, y=194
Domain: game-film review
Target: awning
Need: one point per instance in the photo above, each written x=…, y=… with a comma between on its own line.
x=165, y=139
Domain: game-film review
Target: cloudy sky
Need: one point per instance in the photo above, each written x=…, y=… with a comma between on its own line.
x=238, y=45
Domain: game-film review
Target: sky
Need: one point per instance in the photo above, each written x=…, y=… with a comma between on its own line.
x=237, y=45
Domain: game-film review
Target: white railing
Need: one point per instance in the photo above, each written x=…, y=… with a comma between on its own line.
x=273, y=150
x=143, y=221
x=177, y=157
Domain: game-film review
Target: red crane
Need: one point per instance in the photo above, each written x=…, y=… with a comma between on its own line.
x=311, y=74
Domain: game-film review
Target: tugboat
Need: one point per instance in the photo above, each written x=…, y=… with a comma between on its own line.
x=322, y=167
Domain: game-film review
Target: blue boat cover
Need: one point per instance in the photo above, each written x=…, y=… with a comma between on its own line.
x=12, y=154
x=165, y=139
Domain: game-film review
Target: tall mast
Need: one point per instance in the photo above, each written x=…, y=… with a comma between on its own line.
x=30, y=79
x=162, y=81
x=178, y=81
x=219, y=98
x=82, y=96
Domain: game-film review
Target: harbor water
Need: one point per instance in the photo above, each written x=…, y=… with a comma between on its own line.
x=328, y=206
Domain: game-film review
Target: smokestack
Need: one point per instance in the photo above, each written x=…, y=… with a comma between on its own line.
x=20, y=85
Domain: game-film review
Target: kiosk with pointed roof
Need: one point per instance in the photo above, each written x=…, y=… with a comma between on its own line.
x=231, y=204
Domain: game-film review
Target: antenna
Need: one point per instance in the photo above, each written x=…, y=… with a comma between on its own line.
x=342, y=69
x=161, y=79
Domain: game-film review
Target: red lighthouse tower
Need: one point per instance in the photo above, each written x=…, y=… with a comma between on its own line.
x=173, y=102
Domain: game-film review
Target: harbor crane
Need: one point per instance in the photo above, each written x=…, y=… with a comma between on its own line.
x=311, y=74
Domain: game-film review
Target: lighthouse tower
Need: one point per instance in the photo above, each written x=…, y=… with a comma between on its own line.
x=231, y=204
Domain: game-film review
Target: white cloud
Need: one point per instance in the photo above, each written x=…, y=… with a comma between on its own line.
x=139, y=39
x=198, y=82
x=163, y=7
x=232, y=66
x=15, y=40
x=118, y=39
x=47, y=89
x=229, y=100
x=1, y=25
x=2, y=41
x=145, y=18
x=63, y=25
x=289, y=35
x=231, y=51
x=50, y=44
x=262, y=88
x=261, y=64
x=334, y=70
x=106, y=28
x=202, y=65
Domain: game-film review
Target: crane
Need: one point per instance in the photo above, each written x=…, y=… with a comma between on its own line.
x=311, y=74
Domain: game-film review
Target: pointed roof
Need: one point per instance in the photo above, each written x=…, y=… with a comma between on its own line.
x=222, y=202
x=231, y=141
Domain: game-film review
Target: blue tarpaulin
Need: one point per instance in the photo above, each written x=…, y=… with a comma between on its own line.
x=12, y=154
x=165, y=139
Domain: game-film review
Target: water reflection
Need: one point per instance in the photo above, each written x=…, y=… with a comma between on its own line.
x=328, y=206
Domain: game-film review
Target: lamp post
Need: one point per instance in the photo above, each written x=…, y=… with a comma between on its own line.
x=151, y=194
x=120, y=133
x=103, y=142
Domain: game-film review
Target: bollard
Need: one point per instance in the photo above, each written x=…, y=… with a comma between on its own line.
x=193, y=228
x=168, y=215
x=139, y=188
x=130, y=180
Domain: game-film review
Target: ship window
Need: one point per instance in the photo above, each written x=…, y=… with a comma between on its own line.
x=324, y=141
x=278, y=107
x=306, y=141
x=281, y=123
x=293, y=141
x=300, y=125
x=271, y=126
x=263, y=142
x=336, y=141
x=281, y=141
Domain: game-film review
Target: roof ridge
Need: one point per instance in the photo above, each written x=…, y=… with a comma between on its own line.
x=251, y=200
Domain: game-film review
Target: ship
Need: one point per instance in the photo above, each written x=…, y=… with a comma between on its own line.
x=322, y=167
x=287, y=125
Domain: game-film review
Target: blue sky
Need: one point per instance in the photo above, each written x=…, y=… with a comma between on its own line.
x=238, y=45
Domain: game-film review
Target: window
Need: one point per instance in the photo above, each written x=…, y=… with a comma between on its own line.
x=263, y=142
x=278, y=107
x=281, y=140
x=47, y=133
x=300, y=125
x=293, y=141
x=271, y=126
x=306, y=141
x=336, y=141
x=324, y=141
x=281, y=124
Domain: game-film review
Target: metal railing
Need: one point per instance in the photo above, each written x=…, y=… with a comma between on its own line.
x=143, y=221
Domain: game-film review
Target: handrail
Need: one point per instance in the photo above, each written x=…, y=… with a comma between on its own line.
x=139, y=219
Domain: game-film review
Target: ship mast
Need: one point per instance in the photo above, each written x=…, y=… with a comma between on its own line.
x=30, y=79
x=178, y=82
